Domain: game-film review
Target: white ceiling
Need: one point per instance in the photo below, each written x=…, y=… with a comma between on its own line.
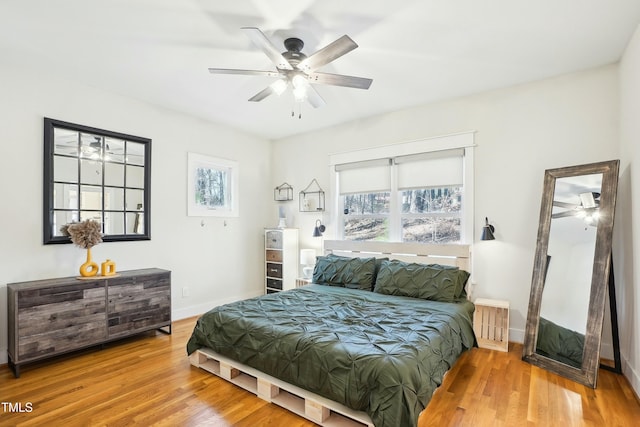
x=416, y=52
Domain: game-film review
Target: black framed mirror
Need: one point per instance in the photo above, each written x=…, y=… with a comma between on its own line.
x=97, y=174
x=571, y=271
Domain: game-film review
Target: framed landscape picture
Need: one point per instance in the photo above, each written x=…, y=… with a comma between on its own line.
x=212, y=186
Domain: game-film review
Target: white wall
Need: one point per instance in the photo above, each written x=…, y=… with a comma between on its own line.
x=217, y=263
x=627, y=236
x=521, y=131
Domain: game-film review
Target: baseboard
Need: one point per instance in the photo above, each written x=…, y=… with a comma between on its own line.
x=516, y=335
x=631, y=375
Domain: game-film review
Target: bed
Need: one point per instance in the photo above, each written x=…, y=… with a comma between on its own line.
x=369, y=341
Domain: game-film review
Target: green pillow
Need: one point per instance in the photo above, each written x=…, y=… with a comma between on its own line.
x=433, y=282
x=354, y=273
x=462, y=277
x=560, y=343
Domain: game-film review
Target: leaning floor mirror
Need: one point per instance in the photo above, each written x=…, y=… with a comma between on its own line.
x=571, y=271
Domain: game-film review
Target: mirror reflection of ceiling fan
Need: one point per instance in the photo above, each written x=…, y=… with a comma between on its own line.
x=296, y=70
x=93, y=147
x=588, y=209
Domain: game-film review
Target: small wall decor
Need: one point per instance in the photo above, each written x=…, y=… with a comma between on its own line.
x=311, y=199
x=213, y=186
x=283, y=193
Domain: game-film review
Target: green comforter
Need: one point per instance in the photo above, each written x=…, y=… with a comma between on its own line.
x=381, y=354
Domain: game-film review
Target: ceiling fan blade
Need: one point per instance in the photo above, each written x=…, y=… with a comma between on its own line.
x=564, y=214
x=260, y=40
x=262, y=94
x=328, y=53
x=244, y=72
x=565, y=205
x=314, y=97
x=340, y=80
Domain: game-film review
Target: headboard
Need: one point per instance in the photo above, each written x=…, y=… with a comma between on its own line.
x=448, y=254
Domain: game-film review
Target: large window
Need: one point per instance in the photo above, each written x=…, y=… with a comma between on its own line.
x=416, y=197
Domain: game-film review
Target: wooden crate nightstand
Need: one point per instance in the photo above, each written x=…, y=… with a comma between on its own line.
x=301, y=281
x=491, y=324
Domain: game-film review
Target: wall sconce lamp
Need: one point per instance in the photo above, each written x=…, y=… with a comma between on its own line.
x=487, y=231
x=317, y=232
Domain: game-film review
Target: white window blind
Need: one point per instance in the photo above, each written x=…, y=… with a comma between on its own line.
x=435, y=169
x=365, y=177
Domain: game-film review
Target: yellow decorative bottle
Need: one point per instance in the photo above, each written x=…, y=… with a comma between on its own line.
x=108, y=268
x=89, y=268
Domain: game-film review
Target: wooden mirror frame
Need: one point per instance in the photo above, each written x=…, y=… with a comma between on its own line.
x=587, y=374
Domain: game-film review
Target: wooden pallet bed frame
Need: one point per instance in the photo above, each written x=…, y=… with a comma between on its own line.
x=304, y=403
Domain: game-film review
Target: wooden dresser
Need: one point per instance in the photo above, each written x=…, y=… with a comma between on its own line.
x=50, y=317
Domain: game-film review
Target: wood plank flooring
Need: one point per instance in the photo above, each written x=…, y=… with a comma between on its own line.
x=148, y=381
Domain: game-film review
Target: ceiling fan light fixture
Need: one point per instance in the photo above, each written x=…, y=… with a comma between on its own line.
x=299, y=94
x=279, y=86
x=587, y=200
x=299, y=84
x=295, y=69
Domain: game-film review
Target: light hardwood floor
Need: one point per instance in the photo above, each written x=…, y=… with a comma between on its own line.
x=148, y=381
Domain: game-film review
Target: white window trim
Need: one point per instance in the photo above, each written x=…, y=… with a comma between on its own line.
x=463, y=140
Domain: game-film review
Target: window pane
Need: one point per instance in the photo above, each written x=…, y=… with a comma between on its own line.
x=135, y=223
x=90, y=198
x=65, y=169
x=114, y=199
x=134, y=200
x=66, y=142
x=366, y=203
x=428, y=200
x=65, y=196
x=135, y=177
x=114, y=150
x=210, y=188
x=61, y=218
x=135, y=153
x=431, y=230
x=90, y=172
x=94, y=215
x=114, y=222
x=114, y=174
x=362, y=228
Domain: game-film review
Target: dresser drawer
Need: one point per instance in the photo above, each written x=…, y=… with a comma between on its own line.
x=274, y=283
x=138, y=303
x=59, y=318
x=273, y=240
x=274, y=270
x=274, y=255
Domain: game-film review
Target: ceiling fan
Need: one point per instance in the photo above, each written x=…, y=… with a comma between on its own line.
x=587, y=209
x=296, y=70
